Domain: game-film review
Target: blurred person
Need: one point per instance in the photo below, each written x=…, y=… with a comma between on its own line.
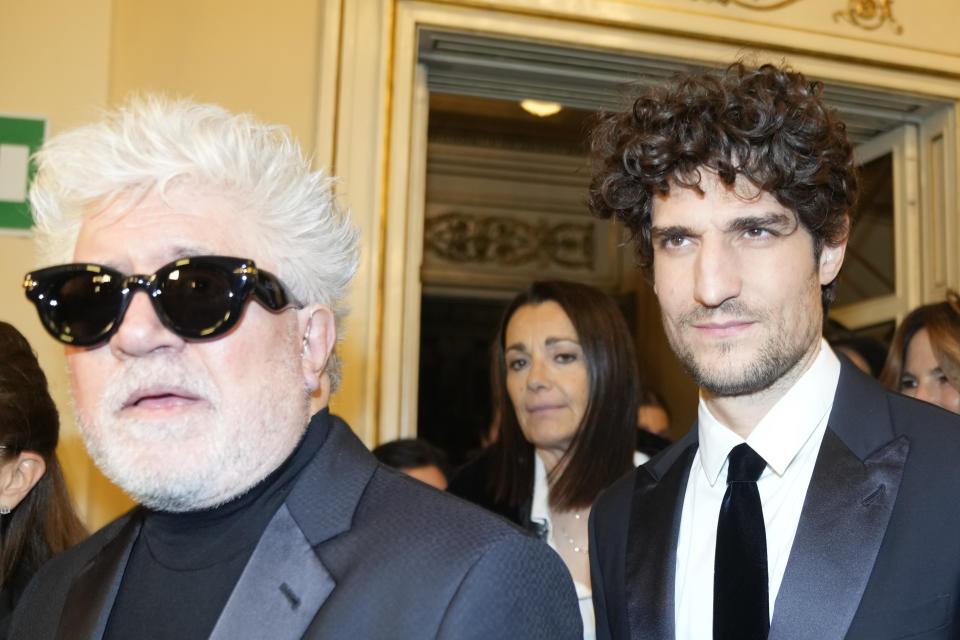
x=37, y=519
x=562, y=358
x=417, y=458
x=807, y=501
x=192, y=388
x=924, y=358
x=867, y=353
x=653, y=423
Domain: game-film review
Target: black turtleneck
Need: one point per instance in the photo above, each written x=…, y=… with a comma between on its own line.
x=183, y=566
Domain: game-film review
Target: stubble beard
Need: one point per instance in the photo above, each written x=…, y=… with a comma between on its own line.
x=204, y=458
x=774, y=358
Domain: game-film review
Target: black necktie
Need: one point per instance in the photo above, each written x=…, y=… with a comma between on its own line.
x=740, y=587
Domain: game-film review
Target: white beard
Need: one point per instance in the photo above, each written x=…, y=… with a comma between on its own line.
x=210, y=454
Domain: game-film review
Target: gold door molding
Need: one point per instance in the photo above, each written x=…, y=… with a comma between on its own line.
x=869, y=15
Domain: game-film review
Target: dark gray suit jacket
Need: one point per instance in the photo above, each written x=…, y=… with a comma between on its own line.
x=877, y=550
x=357, y=551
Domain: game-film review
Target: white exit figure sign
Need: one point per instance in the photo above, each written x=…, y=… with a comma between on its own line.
x=20, y=137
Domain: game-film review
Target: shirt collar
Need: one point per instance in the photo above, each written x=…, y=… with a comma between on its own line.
x=782, y=432
x=540, y=504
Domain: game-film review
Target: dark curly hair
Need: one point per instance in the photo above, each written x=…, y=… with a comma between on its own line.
x=767, y=124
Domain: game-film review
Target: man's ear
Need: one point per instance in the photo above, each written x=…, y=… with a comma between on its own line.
x=831, y=256
x=19, y=476
x=319, y=334
x=831, y=259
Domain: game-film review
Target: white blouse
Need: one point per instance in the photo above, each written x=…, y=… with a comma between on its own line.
x=540, y=514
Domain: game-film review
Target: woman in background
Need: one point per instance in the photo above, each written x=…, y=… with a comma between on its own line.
x=36, y=518
x=924, y=358
x=564, y=379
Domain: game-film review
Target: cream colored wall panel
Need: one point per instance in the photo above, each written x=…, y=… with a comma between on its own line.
x=940, y=233
x=247, y=55
x=328, y=74
x=398, y=407
x=360, y=160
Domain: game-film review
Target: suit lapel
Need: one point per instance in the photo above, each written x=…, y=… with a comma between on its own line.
x=651, y=557
x=845, y=515
x=286, y=582
x=329, y=489
x=91, y=596
x=280, y=589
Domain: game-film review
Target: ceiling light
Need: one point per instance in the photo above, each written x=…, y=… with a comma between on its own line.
x=540, y=108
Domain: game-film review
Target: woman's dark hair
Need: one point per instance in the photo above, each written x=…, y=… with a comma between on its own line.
x=602, y=448
x=942, y=322
x=768, y=124
x=44, y=522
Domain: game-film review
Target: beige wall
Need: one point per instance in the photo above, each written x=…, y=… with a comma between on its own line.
x=247, y=55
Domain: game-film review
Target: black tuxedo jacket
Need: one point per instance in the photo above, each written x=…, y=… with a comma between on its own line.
x=877, y=549
x=356, y=551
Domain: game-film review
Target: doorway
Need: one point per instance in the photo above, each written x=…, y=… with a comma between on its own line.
x=491, y=55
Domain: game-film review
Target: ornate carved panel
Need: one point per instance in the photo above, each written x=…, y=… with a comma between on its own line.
x=502, y=248
x=869, y=15
x=865, y=14
x=499, y=218
x=478, y=239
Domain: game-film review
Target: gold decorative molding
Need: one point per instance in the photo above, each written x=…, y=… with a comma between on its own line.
x=761, y=5
x=865, y=14
x=869, y=15
x=501, y=241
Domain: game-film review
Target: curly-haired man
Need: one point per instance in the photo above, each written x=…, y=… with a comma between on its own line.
x=739, y=188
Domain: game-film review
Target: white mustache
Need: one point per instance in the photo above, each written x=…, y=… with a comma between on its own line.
x=141, y=378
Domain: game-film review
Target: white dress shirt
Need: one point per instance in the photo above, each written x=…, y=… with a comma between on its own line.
x=540, y=513
x=788, y=437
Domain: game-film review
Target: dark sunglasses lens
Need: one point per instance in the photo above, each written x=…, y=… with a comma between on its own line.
x=84, y=307
x=199, y=300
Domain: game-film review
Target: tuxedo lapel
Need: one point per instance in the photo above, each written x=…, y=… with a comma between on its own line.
x=329, y=489
x=651, y=557
x=91, y=596
x=281, y=588
x=285, y=582
x=845, y=515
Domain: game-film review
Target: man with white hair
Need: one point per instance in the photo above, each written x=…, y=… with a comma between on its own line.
x=256, y=520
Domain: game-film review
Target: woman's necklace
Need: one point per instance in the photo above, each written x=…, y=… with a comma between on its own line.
x=565, y=535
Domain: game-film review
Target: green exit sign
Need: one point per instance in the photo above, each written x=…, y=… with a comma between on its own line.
x=20, y=137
